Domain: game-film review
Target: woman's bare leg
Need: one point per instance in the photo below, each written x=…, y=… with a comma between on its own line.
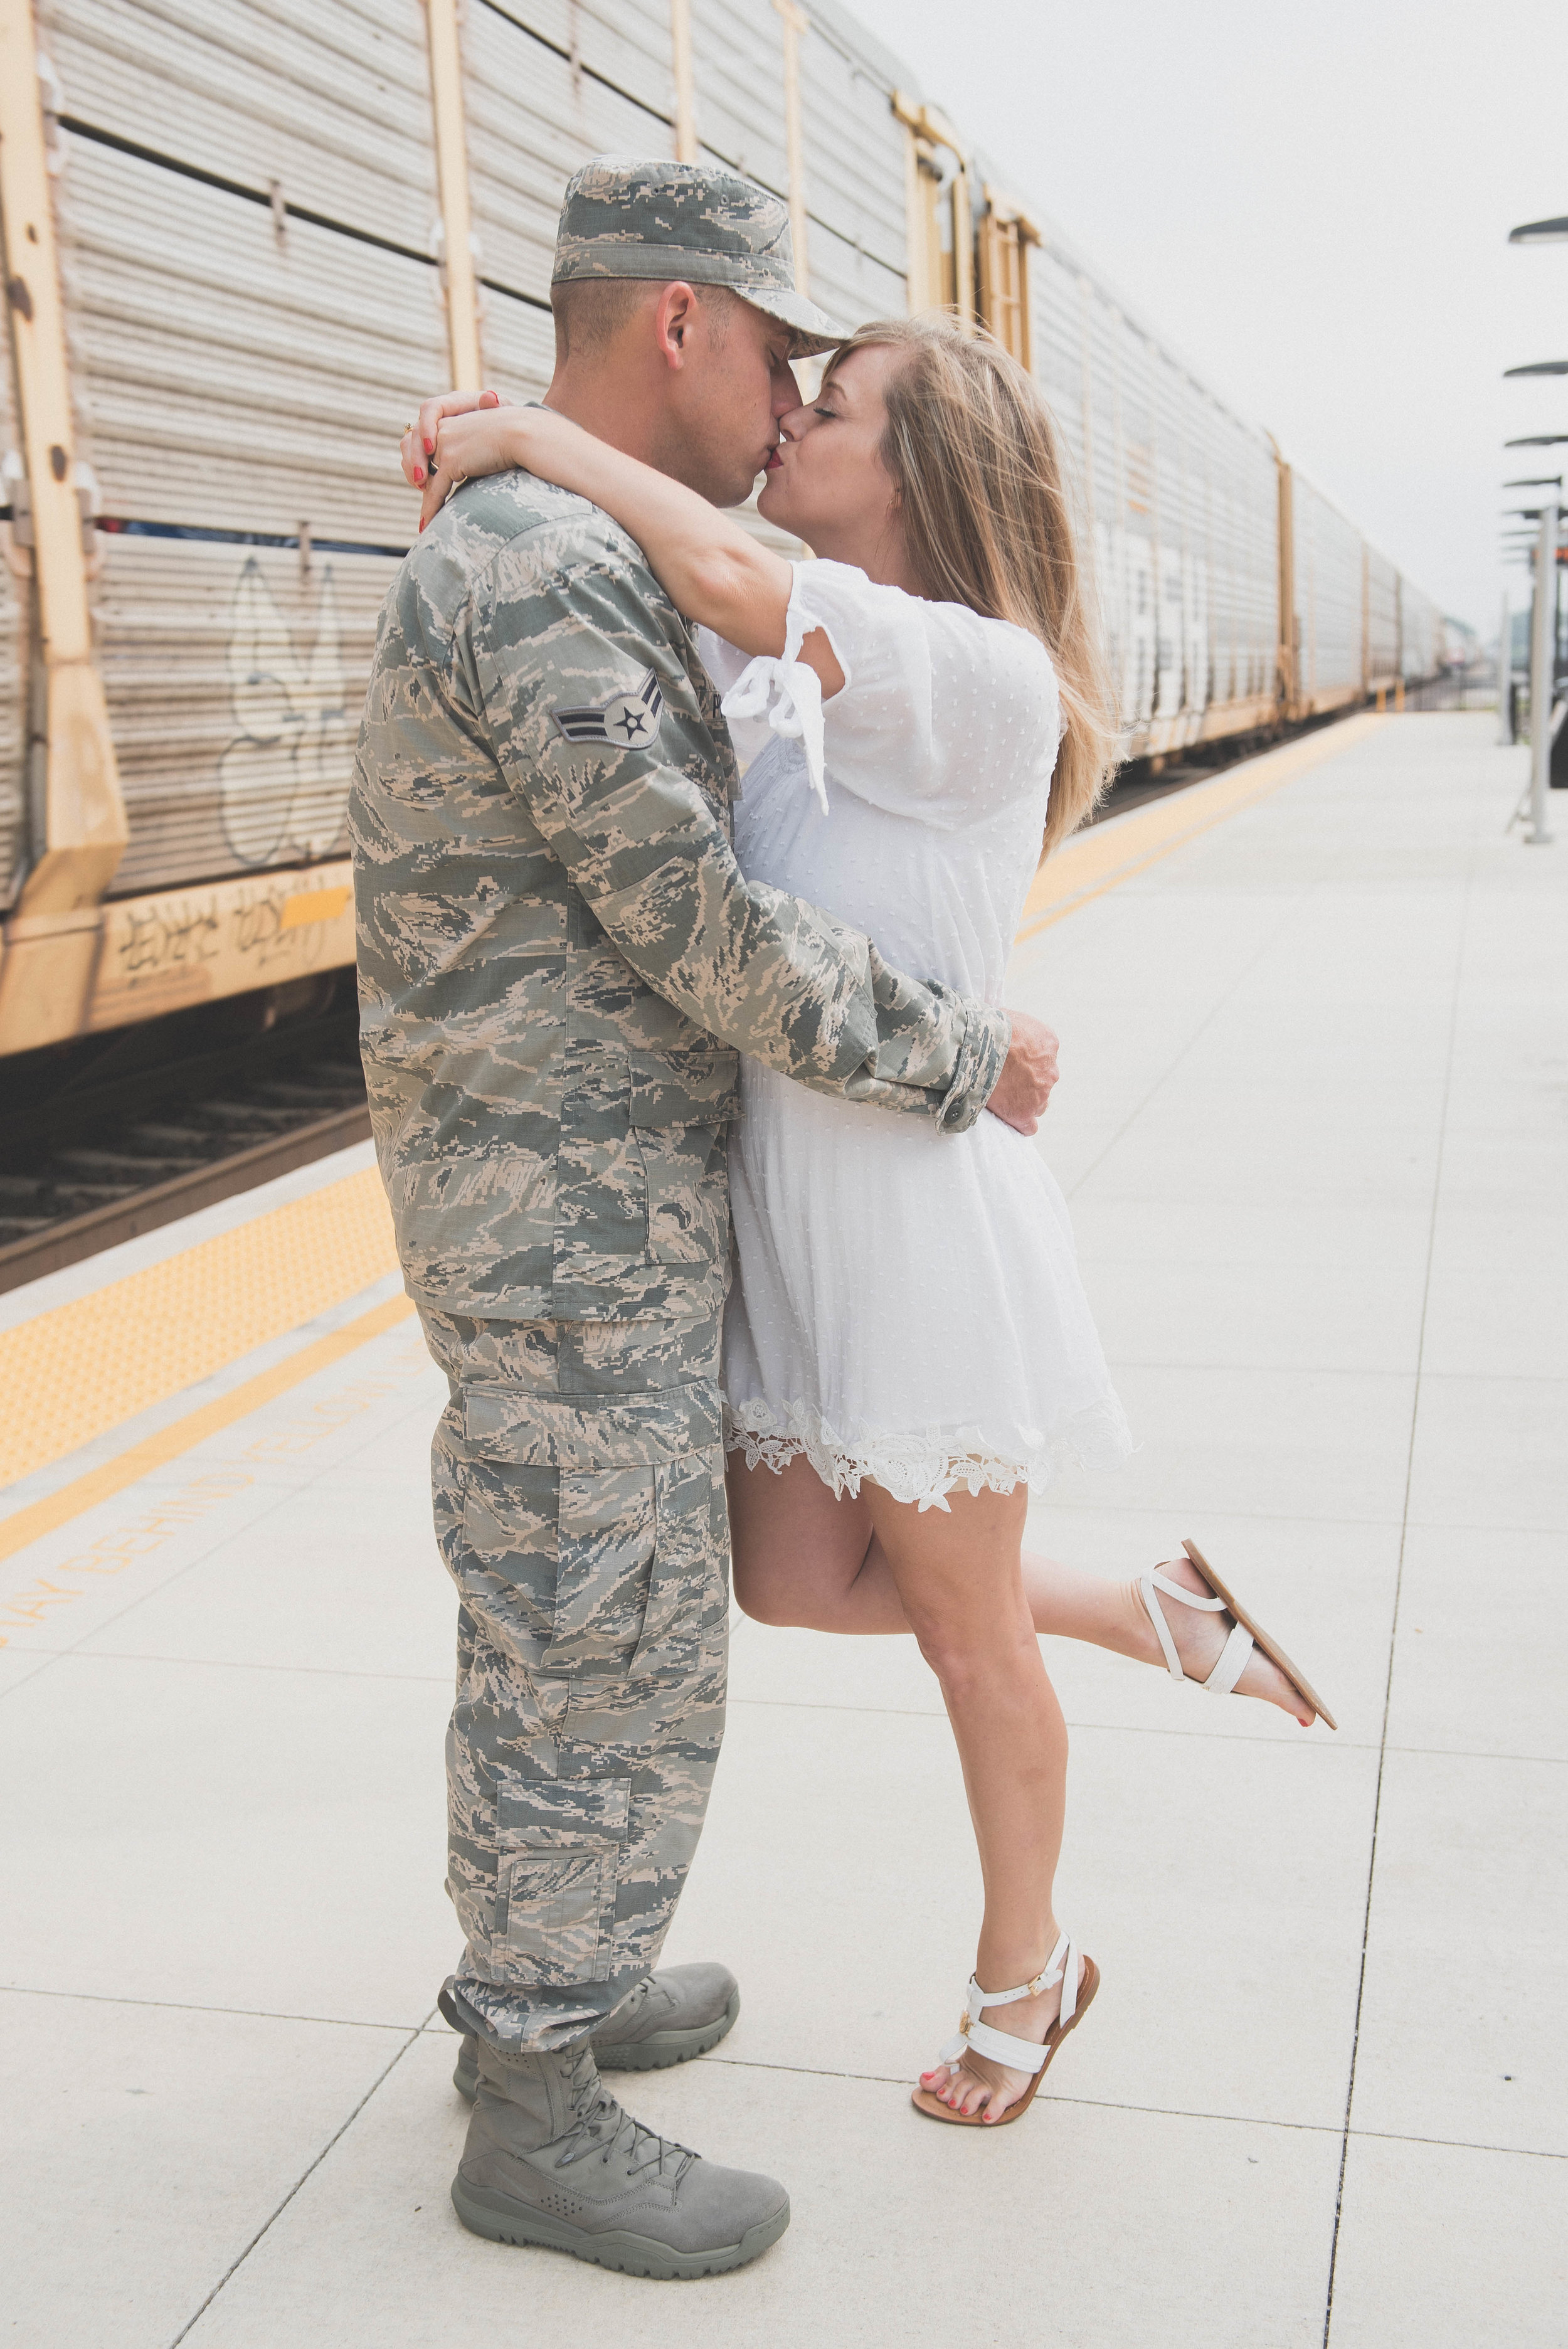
x=803, y=1557
x=800, y=1555
x=957, y=1576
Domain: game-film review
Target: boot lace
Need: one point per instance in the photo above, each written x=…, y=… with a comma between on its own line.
x=602, y=2127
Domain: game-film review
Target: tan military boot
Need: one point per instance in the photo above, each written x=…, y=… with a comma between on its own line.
x=671, y=2016
x=551, y=2159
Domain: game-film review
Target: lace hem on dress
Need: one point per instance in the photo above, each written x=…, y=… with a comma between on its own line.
x=924, y=1466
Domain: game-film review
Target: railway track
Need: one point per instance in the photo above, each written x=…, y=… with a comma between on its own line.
x=118, y=1138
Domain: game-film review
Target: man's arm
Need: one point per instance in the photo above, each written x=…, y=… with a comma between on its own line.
x=605, y=763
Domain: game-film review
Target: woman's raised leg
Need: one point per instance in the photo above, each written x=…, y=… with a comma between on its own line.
x=799, y=1556
x=803, y=1557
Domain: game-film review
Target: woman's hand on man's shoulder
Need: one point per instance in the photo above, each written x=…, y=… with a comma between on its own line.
x=457, y=437
x=417, y=445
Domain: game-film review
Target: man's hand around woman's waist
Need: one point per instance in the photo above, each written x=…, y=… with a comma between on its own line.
x=1028, y=1074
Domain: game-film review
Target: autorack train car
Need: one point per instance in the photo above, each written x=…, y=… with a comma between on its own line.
x=242, y=240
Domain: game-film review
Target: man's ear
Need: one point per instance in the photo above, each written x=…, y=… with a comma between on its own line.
x=674, y=321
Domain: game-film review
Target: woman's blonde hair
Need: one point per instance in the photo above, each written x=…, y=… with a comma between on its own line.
x=988, y=523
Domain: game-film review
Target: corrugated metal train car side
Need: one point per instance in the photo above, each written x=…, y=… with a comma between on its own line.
x=1179, y=501
x=250, y=281
x=1328, y=666
x=1422, y=639
x=251, y=205
x=14, y=668
x=1380, y=605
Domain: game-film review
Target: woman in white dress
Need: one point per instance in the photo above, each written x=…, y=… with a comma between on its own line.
x=907, y=1350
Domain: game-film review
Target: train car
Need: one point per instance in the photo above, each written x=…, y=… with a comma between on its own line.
x=1381, y=597
x=242, y=241
x=1180, y=499
x=13, y=614
x=1423, y=641
x=1323, y=603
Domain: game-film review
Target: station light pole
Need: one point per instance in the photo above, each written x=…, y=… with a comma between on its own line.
x=1543, y=632
x=1543, y=664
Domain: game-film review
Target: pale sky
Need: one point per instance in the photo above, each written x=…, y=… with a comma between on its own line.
x=1310, y=205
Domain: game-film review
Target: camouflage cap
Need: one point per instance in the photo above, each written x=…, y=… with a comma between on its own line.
x=640, y=217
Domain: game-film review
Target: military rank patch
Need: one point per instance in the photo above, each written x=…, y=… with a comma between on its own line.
x=630, y=721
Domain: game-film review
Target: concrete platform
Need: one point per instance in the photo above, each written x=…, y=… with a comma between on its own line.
x=1314, y=1123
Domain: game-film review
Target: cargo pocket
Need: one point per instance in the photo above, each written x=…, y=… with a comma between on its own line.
x=682, y=1104
x=606, y=1535
x=560, y=1843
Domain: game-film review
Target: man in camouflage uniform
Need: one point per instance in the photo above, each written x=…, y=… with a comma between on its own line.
x=559, y=961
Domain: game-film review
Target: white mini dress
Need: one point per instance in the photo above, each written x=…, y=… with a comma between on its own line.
x=906, y=1304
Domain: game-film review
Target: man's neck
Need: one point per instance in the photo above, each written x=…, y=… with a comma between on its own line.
x=599, y=404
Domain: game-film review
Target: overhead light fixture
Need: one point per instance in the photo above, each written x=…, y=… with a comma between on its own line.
x=1540, y=366
x=1547, y=232
x=1537, y=440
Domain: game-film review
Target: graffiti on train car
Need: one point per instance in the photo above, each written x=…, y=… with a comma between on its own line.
x=191, y=945
x=172, y=935
x=1155, y=607
x=292, y=722
x=257, y=921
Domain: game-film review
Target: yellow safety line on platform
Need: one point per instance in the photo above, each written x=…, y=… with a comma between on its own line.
x=101, y=1484
x=1103, y=857
x=72, y=1374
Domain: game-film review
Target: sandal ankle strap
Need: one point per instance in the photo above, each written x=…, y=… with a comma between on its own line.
x=1065, y=1965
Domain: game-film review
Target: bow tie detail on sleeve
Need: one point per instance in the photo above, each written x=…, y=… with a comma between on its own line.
x=788, y=694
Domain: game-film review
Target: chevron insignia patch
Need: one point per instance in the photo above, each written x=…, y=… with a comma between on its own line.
x=630, y=721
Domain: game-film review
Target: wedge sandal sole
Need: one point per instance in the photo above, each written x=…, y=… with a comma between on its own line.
x=935, y=2109
x=500, y=2219
x=655, y=2053
x=1271, y=1648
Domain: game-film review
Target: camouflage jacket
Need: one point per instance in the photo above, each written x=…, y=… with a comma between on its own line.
x=559, y=959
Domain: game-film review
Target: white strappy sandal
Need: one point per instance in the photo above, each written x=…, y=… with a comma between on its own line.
x=979, y=2044
x=1233, y=1655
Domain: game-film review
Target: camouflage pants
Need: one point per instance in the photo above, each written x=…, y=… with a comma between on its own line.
x=578, y=1477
